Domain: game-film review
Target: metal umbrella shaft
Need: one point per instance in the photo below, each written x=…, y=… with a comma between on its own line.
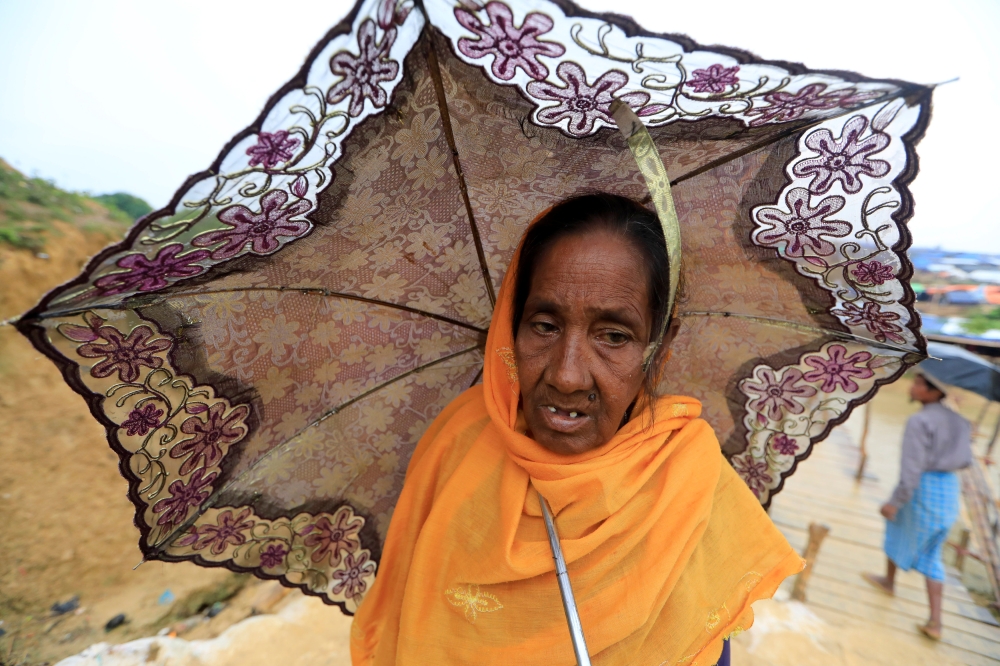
x=565, y=590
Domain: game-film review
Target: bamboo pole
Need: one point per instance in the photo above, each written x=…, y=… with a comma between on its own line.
x=817, y=533
x=993, y=440
x=982, y=414
x=962, y=549
x=977, y=498
x=864, y=442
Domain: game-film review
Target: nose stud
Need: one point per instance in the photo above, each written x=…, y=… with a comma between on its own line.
x=592, y=397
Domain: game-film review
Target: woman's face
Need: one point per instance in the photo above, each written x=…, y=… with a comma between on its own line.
x=580, y=344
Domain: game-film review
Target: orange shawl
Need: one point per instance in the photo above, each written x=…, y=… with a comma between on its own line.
x=666, y=547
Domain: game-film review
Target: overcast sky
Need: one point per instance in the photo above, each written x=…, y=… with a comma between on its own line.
x=108, y=95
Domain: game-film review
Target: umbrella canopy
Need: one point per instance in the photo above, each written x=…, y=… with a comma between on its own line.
x=959, y=367
x=266, y=350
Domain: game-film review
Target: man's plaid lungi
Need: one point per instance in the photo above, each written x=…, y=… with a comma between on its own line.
x=915, y=538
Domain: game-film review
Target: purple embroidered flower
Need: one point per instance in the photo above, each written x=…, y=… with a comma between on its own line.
x=754, y=473
x=210, y=436
x=843, y=159
x=272, y=556
x=228, y=529
x=88, y=333
x=870, y=315
x=189, y=537
x=774, y=397
x=261, y=230
x=839, y=369
x=272, y=149
x=333, y=537
x=391, y=11
x=790, y=106
x=805, y=226
x=124, y=355
x=364, y=72
x=351, y=580
x=872, y=272
x=584, y=104
x=145, y=274
x=715, y=79
x=512, y=47
x=142, y=420
x=183, y=496
x=784, y=444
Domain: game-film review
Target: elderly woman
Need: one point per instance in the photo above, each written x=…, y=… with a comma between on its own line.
x=666, y=547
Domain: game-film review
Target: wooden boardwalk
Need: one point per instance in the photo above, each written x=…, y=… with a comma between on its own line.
x=823, y=490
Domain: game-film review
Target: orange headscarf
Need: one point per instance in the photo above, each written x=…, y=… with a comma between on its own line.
x=665, y=545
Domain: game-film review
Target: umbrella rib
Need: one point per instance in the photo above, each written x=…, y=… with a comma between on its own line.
x=210, y=502
x=318, y=291
x=781, y=135
x=435, y=72
x=339, y=408
x=478, y=375
x=773, y=321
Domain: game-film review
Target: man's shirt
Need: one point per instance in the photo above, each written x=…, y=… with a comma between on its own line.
x=936, y=440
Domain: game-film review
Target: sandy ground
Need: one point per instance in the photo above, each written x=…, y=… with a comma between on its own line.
x=304, y=632
x=66, y=530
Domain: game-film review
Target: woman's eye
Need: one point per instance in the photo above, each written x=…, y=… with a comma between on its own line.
x=543, y=327
x=616, y=337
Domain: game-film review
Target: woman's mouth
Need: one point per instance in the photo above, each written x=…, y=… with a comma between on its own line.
x=563, y=420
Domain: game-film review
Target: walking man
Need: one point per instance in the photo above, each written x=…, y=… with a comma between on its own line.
x=925, y=503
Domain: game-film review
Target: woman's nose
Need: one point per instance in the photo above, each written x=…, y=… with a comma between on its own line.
x=569, y=370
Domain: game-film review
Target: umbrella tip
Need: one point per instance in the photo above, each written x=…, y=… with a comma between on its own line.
x=944, y=83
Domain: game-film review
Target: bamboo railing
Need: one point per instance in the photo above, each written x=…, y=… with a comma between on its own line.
x=985, y=520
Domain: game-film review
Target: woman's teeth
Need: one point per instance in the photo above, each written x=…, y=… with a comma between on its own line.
x=572, y=415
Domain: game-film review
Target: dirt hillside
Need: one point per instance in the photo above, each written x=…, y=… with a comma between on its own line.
x=65, y=523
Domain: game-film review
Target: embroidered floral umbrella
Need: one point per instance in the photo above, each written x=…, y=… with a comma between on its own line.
x=266, y=350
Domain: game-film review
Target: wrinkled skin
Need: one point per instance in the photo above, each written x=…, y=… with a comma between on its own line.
x=585, y=327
